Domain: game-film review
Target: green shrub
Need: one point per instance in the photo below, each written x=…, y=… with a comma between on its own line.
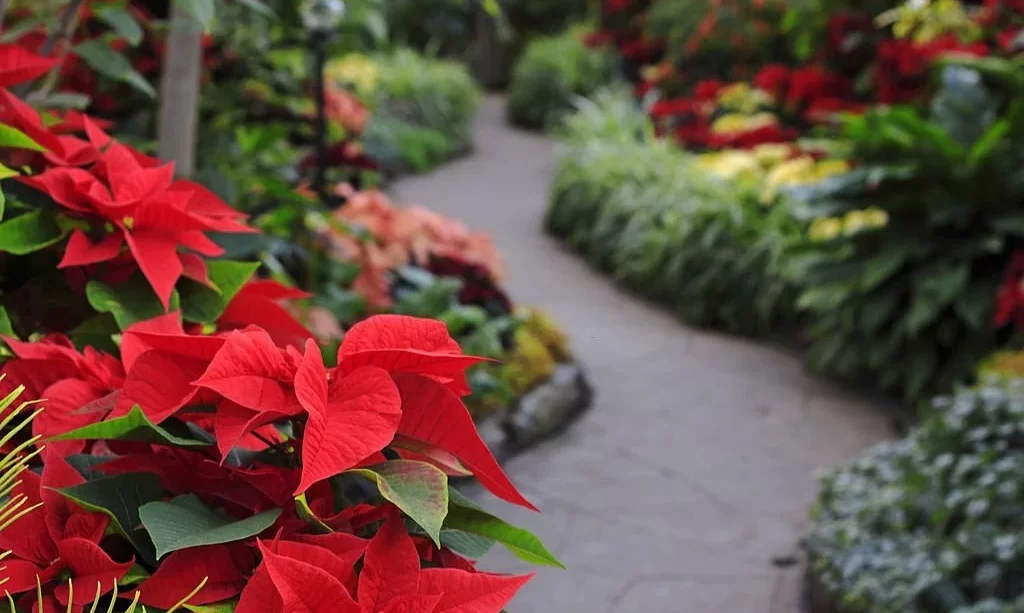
x=640, y=209
x=908, y=306
x=932, y=523
x=552, y=72
x=427, y=92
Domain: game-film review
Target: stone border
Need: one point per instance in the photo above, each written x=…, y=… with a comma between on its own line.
x=542, y=413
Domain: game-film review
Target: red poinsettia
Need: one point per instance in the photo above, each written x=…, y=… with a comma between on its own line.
x=57, y=545
x=130, y=202
x=318, y=579
x=901, y=72
x=18, y=65
x=80, y=388
x=1010, y=299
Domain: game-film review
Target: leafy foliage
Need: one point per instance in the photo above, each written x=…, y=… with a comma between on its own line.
x=643, y=211
x=930, y=524
x=908, y=305
x=552, y=72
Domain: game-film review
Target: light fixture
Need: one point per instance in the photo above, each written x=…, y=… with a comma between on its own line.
x=321, y=15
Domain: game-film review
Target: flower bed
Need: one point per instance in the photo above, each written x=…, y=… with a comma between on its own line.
x=829, y=188
x=929, y=524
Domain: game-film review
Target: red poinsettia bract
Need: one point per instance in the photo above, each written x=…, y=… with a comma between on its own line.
x=57, y=545
x=319, y=578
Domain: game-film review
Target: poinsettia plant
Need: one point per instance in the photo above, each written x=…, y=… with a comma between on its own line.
x=228, y=469
x=195, y=449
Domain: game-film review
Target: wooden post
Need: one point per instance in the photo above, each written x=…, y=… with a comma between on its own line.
x=179, y=92
x=488, y=61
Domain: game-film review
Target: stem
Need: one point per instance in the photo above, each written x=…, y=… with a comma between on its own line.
x=319, y=59
x=62, y=31
x=63, y=24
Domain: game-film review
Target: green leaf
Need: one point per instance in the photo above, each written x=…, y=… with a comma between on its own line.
x=880, y=267
x=522, y=543
x=307, y=515
x=66, y=100
x=6, y=173
x=417, y=488
x=122, y=22
x=202, y=304
x=16, y=139
x=6, y=328
x=226, y=606
x=30, y=232
x=120, y=497
x=104, y=60
x=135, y=574
x=129, y=302
x=134, y=426
x=259, y=7
x=201, y=10
x=988, y=141
x=466, y=544
x=186, y=522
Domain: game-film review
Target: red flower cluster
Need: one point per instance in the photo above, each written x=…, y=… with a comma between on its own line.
x=116, y=196
x=902, y=67
x=396, y=385
x=1010, y=299
x=809, y=92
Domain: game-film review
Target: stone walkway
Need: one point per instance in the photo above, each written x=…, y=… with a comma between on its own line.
x=694, y=469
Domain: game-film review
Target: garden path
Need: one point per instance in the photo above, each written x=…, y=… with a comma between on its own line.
x=686, y=488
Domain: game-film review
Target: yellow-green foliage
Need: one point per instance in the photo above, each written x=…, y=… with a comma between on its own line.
x=548, y=332
x=1003, y=365
x=529, y=362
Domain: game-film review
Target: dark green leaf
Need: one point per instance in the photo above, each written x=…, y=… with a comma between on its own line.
x=466, y=544
x=104, y=60
x=120, y=497
x=203, y=304
x=134, y=426
x=30, y=232
x=129, y=302
x=186, y=522
x=880, y=267
x=419, y=489
x=122, y=22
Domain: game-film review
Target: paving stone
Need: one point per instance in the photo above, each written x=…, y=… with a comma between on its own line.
x=695, y=467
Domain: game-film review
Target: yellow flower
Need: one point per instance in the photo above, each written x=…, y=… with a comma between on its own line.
x=792, y=172
x=829, y=168
x=736, y=122
x=355, y=69
x=771, y=154
x=730, y=164
x=1003, y=365
x=742, y=97
x=878, y=218
x=825, y=229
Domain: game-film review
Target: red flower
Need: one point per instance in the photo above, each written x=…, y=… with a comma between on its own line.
x=1010, y=299
x=616, y=6
x=752, y=138
x=258, y=304
x=774, y=79
x=708, y=89
x=901, y=72
x=597, y=39
x=139, y=205
x=677, y=106
x=57, y=545
x=317, y=579
x=80, y=388
x=1010, y=39
x=18, y=65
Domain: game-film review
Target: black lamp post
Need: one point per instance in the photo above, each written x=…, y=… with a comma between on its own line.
x=321, y=18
